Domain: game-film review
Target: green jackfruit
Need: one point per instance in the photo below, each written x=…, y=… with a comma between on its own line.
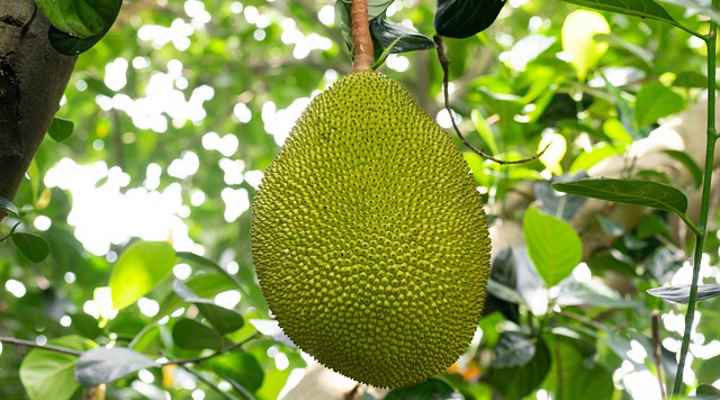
x=369, y=238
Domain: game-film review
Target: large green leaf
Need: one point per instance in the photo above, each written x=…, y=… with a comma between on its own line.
x=140, y=268
x=239, y=366
x=519, y=381
x=190, y=334
x=655, y=101
x=553, y=245
x=638, y=8
x=464, y=18
x=50, y=375
x=79, y=18
x=104, y=365
x=106, y=11
x=629, y=191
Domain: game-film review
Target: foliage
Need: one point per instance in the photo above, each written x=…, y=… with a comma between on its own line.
x=142, y=200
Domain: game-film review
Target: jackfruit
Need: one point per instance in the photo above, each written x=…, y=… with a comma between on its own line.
x=369, y=237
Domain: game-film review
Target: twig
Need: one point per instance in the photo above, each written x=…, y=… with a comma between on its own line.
x=657, y=353
x=197, y=360
x=12, y=230
x=207, y=382
x=363, y=50
x=445, y=64
x=351, y=394
x=48, y=347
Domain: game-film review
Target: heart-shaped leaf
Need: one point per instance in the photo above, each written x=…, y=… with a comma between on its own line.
x=61, y=129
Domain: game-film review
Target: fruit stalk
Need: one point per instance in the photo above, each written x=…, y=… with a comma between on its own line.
x=711, y=137
x=363, y=56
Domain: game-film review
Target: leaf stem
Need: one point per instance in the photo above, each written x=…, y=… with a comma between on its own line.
x=363, y=51
x=711, y=138
x=48, y=347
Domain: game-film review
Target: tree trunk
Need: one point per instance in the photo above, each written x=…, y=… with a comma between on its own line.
x=33, y=77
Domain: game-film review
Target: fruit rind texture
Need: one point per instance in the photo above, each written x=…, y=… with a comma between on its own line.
x=369, y=237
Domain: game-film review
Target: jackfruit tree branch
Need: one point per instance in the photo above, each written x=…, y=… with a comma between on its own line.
x=445, y=64
x=363, y=52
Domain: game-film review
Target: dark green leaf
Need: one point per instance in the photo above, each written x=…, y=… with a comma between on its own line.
x=49, y=375
x=104, y=365
x=708, y=392
x=239, y=366
x=86, y=325
x=8, y=206
x=140, y=268
x=31, y=246
x=431, y=389
x=553, y=244
x=79, y=18
x=643, y=193
x=401, y=38
x=190, y=334
x=575, y=374
x=690, y=79
x=72, y=45
x=464, y=18
x=513, y=350
x=681, y=294
x=61, y=129
x=200, y=260
x=689, y=163
x=655, y=101
x=223, y=319
x=518, y=382
x=638, y=8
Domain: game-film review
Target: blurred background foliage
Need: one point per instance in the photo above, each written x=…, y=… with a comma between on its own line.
x=182, y=105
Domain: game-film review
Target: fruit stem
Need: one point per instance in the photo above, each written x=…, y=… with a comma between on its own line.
x=363, y=52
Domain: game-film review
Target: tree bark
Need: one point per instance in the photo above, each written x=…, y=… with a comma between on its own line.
x=33, y=77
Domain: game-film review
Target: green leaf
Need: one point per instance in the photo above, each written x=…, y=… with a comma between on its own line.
x=690, y=79
x=86, y=325
x=72, y=45
x=513, y=350
x=140, y=268
x=655, y=101
x=79, y=18
x=637, y=8
x=689, y=163
x=518, y=382
x=239, y=366
x=553, y=245
x=628, y=191
x=200, y=260
x=708, y=392
x=578, y=40
x=61, y=129
x=49, y=375
x=431, y=389
x=587, y=160
x=190, y=334
x=399, y=38
x=483, y=129
x=681, y=294
x=104, y=365
x=8, y=206
x=223, y=319
x=31, y=246
x=575, y=375
x=465, y=18
x=709, y=370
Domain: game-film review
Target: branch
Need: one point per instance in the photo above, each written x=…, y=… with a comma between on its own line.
x=362, y=41
x=445, y=64
x=48, y=347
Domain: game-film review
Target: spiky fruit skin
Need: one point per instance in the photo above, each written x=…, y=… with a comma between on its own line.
x=369, y=238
